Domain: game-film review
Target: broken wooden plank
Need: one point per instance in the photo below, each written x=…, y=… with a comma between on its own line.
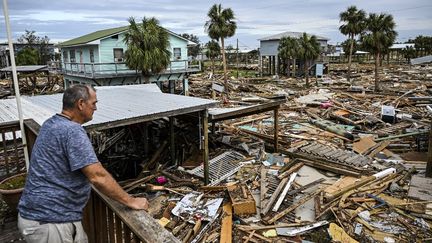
x=226, y=228
x=274, y=196
x=284, y=192
x=292, y=207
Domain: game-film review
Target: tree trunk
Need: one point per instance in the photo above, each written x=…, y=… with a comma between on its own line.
x=213, y=66
x=294, y=68
x=224, y=65
x=288, y=68
x=306, y=70
x=350, y=58
x=146, y=78
x=377, y=62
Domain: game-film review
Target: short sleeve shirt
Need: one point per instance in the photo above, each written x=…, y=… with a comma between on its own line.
x=56, y=190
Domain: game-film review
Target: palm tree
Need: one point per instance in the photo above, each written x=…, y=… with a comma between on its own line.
x=213, y=51
x=309, y=50
x=378, y=38
x=354, y=24
x=221, y=25
x=408, y=53
x=288, y=50
x=147, y=47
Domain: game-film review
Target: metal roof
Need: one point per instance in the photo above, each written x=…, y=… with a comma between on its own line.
x=289, y=34
x=28, y=68
x=117, y=106
x=85, y=39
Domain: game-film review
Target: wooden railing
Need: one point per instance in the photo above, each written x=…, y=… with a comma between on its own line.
x=95, y=70
x=104, y=220
x=107, y=221
x=11, y=150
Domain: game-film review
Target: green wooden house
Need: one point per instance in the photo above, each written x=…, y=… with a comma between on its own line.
x=98, y=59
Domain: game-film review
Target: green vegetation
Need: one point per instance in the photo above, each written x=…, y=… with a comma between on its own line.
x=35, y=49
x=220, y=26
x=378, y=38
x=288, y=50
x=147, y=44
x=309, y=50
x=14, y=183
x=354, y=24
x=213, y=51
x=193, y=51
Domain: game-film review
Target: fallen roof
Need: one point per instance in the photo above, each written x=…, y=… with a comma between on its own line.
x=117, y=106
x=289, y=34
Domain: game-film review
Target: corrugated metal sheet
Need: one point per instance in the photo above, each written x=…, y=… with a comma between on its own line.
x=118, y=103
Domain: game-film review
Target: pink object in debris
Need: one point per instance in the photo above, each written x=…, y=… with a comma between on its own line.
x=326, y=105
x=161, y=179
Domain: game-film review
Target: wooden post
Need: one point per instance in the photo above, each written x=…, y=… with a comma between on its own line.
x=172, y=140
x=205, y=147
x=276, y=129
x=429, y=156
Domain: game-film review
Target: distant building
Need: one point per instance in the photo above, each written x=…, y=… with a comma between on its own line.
x=270, y=62
x=98, y=59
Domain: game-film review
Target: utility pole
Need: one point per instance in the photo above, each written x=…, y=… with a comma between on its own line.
x=237, y=60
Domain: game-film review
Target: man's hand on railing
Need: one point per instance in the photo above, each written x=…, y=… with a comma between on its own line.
x=138, y=203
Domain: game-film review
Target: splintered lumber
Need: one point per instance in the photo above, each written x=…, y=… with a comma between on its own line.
x=292, y=207
x=284, y=192
x=192, y=232
x=360, y=183
x=274, y=196
x=129, y=187
x=296, y=167
x=242, y=200
x=226, y=228
x=302, y=188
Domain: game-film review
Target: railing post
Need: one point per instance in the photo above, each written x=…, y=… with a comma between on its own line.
x=93, y=71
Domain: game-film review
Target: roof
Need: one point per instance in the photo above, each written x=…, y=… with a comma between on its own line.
x=402, y=46
x=93, y=36
x=117, y=106
x=27, y=68
x=85, y=39
x=289, y=34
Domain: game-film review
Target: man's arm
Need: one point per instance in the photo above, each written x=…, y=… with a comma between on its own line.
x=105, y=183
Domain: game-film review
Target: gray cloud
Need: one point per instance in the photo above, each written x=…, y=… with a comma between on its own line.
x=62, y=20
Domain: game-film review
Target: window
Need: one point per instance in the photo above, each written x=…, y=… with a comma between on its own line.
x=177, y=53
x=114, y=37
x=118, y=55
x=72, y=56
x=91, y=56
x=65, y=56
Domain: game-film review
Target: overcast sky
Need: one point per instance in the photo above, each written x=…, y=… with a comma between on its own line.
x=66, y=19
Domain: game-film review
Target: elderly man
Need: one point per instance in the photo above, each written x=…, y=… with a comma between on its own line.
x=62, y=166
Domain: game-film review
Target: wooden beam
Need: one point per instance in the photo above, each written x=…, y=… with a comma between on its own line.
x=226, y=229
x=172, y=140
x=429, y=156
x=205, y=146
x=276, y=129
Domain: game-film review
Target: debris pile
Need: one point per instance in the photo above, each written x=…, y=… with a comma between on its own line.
x=349, y=166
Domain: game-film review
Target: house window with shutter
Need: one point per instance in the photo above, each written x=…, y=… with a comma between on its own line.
x=72, y=56
x=91, y=56
x=118, y=54
x=177, y=53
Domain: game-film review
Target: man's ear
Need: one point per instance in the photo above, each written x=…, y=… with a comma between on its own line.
x=80, y=104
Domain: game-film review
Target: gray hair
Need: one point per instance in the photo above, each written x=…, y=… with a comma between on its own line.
x=75, y=93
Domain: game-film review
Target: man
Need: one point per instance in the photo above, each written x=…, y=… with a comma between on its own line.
x=62, y=166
